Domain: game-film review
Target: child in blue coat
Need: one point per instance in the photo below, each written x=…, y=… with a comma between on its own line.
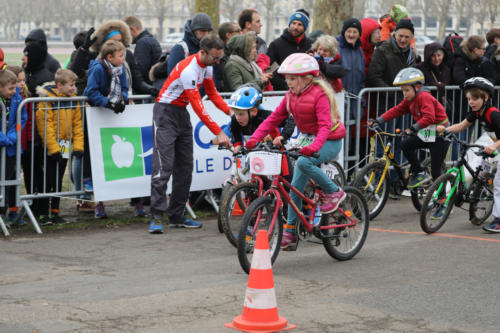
x=107, y=86
x=10, y=97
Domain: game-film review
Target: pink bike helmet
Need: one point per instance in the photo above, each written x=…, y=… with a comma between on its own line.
x=299, y=64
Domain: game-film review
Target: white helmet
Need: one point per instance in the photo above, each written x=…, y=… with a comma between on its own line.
x=409, y=76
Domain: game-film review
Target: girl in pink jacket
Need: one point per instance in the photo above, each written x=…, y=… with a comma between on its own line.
x=312, y=103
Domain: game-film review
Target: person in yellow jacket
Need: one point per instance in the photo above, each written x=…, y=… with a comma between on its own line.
x=59, y=125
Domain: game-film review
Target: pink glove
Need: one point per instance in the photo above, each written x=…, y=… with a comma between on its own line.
x=307, y=150
x=251, y=144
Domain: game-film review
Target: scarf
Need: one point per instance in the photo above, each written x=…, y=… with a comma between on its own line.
x=411, y=57
x=115, y=88
x=252, y=67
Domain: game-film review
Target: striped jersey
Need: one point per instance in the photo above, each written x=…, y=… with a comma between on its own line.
x=182, y=87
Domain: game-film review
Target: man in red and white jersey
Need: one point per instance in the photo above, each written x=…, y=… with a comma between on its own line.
x=173, y=133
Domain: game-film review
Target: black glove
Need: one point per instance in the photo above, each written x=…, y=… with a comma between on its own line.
x=154, y=92
x=375, y=123
x=321, y=64
x=77, y=153
x=88, y=39
x=56, y=156
x=110, y=105
x=119, y=107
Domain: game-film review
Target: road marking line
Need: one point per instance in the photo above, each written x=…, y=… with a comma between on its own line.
x=436, y=234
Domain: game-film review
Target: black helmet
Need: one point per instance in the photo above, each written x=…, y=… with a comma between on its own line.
x=480, y=83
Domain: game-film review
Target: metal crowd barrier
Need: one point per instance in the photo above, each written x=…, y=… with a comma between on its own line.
x=37, y=154
x=375, y=101
x=3, y=156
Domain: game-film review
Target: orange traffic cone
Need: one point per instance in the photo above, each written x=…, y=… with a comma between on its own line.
x=260, y=310
x=237, y=211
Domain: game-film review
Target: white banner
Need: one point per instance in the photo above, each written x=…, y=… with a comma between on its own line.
x=121, y=149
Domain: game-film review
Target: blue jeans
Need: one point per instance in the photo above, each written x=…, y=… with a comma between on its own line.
x=307, y=168
x=77, y=177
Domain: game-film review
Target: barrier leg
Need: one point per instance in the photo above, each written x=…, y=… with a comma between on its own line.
x=210, y=197
x=4, y=228
x=190, y=211
x=32, y=218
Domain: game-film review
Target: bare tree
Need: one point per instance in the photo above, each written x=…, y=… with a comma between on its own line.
x=359, y=8
x=160, y=8
x=492, y=8
x=459, y=5
x=210, y=7
x=231, y=9
x=480, y=13
x=329, y=15
x=442, y=7
x=267, y=12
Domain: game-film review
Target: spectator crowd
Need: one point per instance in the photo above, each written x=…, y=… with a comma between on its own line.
x=366, y=53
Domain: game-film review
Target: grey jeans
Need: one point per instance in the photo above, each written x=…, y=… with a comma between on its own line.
x=172, y=156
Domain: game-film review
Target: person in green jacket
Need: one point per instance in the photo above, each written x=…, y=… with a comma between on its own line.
x=241, y=67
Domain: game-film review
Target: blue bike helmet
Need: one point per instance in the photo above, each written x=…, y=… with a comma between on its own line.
x=246, y=97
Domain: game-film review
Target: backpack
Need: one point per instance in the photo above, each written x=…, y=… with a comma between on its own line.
x=451, y=44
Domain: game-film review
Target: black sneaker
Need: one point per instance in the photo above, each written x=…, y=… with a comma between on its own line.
x=57, y=219
x=419, y=179
x=44, y=220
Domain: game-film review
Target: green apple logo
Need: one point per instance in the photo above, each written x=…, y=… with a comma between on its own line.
x=119, y=147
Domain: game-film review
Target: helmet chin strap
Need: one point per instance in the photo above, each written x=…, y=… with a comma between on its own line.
x=302, y=85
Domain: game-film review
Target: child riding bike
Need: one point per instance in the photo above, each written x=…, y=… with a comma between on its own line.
x=245, y=103
x=427, y=113
x=312, y=104
x=479, y=92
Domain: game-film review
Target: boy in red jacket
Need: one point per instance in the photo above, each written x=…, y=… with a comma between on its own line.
x=427, y=113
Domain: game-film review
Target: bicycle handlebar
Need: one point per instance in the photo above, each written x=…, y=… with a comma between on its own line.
x=293, y=152
x=467, y=145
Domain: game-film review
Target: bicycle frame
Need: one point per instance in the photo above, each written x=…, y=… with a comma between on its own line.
x=459, y=172
x=278, y=189
x=388, y=160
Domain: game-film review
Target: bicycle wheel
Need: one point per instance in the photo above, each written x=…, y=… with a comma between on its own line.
x=259, y=216
x=225, y=190
x=339, y=176
x=240, y=197
x=345, y=243
x=367, y=181
x=418, y=193
x=435, y=211
x=481, y=204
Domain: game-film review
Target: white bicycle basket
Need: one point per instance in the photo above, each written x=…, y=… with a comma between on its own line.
x=265, y=163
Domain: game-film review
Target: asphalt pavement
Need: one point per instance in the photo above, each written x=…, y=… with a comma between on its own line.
x=125, y=280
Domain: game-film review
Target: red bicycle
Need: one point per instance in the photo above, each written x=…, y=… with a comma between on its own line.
x=342, y=232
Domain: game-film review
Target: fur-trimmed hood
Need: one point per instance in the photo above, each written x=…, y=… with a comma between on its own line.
x=106, y=28
x=241, y=45
x=48, y=89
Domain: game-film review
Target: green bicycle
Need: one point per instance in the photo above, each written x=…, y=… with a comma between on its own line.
x=450, y=189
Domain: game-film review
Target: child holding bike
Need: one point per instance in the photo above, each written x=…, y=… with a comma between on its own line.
x=312, y=104
x=479, y=92
x=427, y=113
x=248, y=115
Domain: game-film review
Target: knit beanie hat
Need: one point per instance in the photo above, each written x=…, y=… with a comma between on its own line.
x=300, y=15
x=201, y=21
x=405, y=24
x=351, y=23
x=398, y=12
